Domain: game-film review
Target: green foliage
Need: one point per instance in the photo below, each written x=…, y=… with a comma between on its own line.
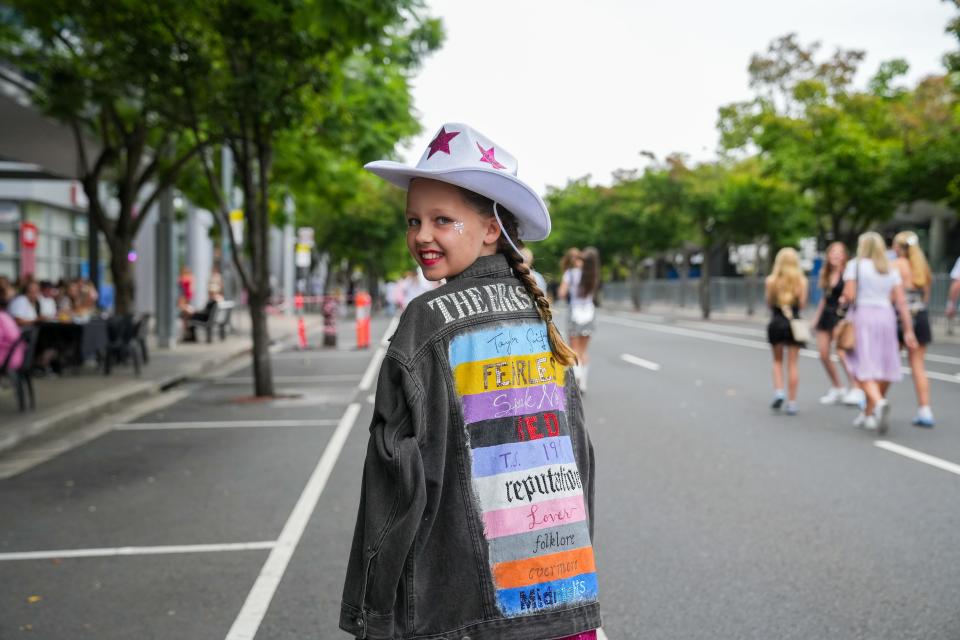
x=847, y=150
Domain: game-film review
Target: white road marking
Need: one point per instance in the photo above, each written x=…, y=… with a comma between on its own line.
x=224, y=424
x=372, y=369
x=640, y=362
x=601, y=635
x=32, y=455
x=258, y=600
x=292, y=379
x=255, y=607
x=742, y=342
x=919, y=456
x=391, y=328
x=135, y=551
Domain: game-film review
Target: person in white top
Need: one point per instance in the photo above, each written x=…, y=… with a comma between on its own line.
x=581, y=282
x=871, y=283
x=954, y=290
x=28, y=307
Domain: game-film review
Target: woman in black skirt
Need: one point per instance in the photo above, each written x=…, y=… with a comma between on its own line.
x=825, y=321
x=786, y=289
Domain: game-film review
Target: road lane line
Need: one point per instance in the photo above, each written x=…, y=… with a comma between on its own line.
x=391, y=328
x=135, y=551
x=225, y=424
x=292, y=379
x=255, y=607
x=742, y=342
x=919, y=456
x=640, y=362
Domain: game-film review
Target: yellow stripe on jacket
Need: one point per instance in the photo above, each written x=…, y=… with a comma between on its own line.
x=508, y=372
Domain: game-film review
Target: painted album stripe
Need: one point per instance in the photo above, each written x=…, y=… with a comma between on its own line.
x=507, y=372
x=518, y=456
x=556, y=566
x=526, y=600
x=535, y=426
x=533, y=486
x=532, y=517
x=533, y=543
x=520, y=339
x=513, y=402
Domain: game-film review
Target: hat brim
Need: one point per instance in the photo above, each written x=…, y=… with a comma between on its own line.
x=533, y=219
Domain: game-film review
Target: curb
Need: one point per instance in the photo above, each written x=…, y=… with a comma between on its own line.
x=110, y=400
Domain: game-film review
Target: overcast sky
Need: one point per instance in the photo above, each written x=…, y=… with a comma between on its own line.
x=576, y=88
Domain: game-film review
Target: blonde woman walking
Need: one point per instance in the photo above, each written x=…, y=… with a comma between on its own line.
x=917, y=280
x=786, y=289
x=871, y=284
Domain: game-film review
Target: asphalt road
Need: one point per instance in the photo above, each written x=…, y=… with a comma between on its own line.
x=205, y=517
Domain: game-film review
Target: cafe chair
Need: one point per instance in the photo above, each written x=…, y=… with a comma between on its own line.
x=122, y=345
x=21, y=378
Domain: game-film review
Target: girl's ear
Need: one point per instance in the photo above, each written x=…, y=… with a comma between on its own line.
x=492, y=231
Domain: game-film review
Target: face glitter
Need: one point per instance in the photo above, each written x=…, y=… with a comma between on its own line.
x=458, y=225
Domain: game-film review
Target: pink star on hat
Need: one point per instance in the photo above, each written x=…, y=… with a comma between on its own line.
x=487, y=156
x=442, y=142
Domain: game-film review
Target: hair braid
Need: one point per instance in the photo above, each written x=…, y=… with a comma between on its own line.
x=561, y=351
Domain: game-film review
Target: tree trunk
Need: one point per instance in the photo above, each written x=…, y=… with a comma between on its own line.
x=262, y=366
x=705, y=283
x=122, y=271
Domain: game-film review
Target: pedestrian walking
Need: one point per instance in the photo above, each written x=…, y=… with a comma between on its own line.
x=917, y=281
x=825, y=322
x=786, y=293
x=537, y=276
x=871, y=285
x=476, y=508
x=580, y=283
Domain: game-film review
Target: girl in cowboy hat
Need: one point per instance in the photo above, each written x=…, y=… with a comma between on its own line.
x=476, y=509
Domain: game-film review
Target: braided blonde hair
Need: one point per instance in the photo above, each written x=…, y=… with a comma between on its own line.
x=909, y=243
x=562, y=352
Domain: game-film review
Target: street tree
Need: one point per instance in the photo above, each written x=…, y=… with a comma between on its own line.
x=813, y=129
x=273, y=68
x=106, y=70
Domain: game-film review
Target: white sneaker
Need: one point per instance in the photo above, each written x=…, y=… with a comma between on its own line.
x=870, y=423
x=834, y=396
x=854, y=397
x=860, y=420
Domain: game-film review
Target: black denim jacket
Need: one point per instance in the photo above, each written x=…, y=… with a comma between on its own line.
x=476, y=508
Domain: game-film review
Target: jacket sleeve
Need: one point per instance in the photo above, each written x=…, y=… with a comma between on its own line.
x=392, y=501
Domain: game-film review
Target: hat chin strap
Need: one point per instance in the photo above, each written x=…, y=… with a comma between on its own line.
x=503, y=230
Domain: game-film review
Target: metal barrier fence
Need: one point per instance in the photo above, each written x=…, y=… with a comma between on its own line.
x=730, y=295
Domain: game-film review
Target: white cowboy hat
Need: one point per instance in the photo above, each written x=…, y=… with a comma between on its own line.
x=462, y=156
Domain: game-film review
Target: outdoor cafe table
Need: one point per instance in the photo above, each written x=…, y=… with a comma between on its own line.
x=74, y=341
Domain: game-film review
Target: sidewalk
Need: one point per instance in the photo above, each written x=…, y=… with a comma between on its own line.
x=80, y=396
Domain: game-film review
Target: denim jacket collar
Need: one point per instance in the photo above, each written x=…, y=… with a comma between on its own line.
x=486, y=267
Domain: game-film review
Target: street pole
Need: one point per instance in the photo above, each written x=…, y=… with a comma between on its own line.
x=166, y=273
x=289, y=273
x=93, y=252
x=226, y=260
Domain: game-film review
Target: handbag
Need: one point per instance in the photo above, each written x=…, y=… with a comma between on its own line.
x=846, y=332
x=799, y=329
x=582, y=313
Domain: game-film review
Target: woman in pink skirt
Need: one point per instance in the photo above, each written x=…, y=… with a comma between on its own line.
x=870, y=285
